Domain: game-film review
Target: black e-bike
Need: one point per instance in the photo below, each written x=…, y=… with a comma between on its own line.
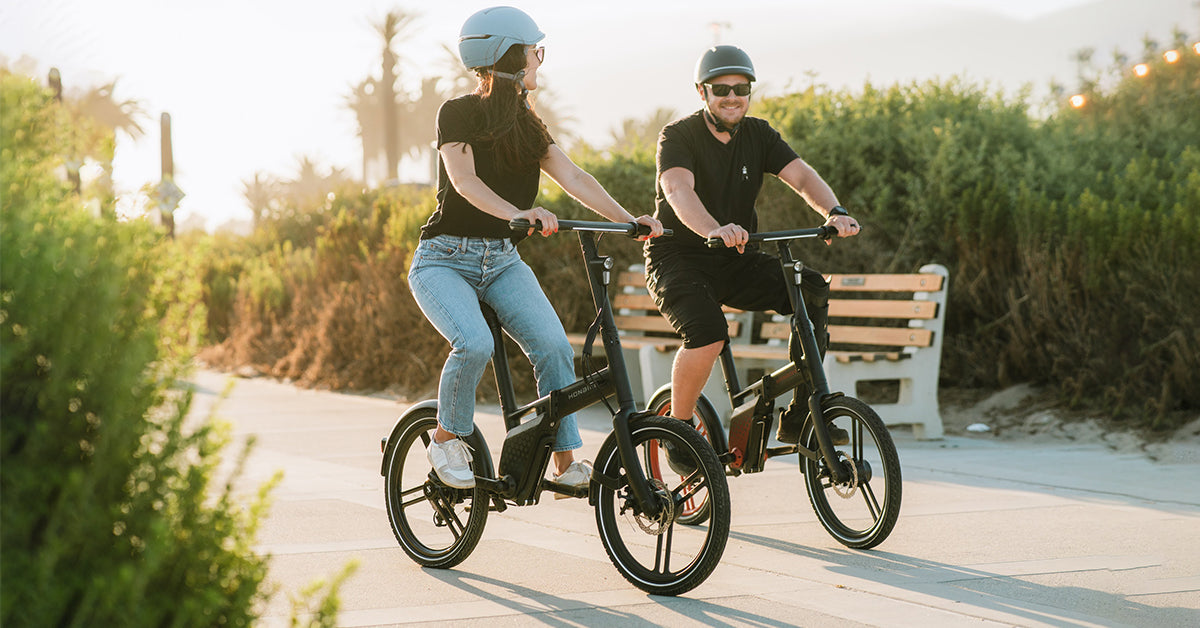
x=637, y=516
x=854, y=486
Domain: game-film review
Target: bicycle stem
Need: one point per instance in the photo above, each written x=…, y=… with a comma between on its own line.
x=802, y=329
x=599, y=271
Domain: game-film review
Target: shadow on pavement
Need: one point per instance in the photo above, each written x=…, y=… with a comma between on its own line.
x=536, y=605
x=999, y=592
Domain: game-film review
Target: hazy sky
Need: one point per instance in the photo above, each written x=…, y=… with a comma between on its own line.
x=252, y=85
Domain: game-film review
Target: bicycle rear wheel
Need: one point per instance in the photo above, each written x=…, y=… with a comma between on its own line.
x=657, y=554
x=436, y=525
x=696, y=510
x=862, y=512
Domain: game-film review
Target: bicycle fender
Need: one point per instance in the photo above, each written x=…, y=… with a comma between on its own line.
x=475, y=440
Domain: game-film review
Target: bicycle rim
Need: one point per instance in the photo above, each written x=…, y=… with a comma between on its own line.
x=860, y=513
x=662, y=556
x=437, y=526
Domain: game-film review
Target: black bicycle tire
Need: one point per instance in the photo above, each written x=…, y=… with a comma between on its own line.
x=608, y=462
x=889, y=510
x=424, y=420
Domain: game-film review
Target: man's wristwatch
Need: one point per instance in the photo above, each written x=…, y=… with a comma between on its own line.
x=838, y=210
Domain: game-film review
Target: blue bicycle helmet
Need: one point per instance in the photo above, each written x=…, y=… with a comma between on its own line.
x=489, y=33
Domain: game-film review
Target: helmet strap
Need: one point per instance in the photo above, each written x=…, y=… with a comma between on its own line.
x=518, y=78
x=721, y=128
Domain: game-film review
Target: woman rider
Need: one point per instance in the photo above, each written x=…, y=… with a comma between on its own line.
x=492, y=148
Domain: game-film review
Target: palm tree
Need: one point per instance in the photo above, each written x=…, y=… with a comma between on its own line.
x=96, y=118
x=363, y=101
x=99, y=104
x=393, y=25
x=420, y=131
x=260, y=192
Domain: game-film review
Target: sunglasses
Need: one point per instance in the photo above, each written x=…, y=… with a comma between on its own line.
x=540, y=53
x=721, y=91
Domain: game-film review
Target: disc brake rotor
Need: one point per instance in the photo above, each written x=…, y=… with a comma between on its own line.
x=848, y=489
x=657, y=525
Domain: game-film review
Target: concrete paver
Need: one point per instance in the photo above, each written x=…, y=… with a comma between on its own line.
x=990, y=533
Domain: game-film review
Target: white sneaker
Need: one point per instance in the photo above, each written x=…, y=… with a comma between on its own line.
x=452, y=462
x=577, y=475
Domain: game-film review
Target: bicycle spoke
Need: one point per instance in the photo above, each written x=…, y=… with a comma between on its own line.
x=406, y=504
x=872, y=503
x=453, y=523
x=687, y=490
x=662, y=556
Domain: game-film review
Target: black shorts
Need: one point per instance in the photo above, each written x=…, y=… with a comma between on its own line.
x=690, y=289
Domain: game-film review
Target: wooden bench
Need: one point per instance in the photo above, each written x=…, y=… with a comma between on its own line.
x=883, y=327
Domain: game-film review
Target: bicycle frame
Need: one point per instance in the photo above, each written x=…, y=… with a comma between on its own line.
x=758, y=399
x=551, y=408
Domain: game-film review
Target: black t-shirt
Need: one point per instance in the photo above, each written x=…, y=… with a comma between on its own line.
x=461, y=120
x=728, y=176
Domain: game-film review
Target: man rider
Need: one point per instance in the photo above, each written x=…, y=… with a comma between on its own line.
x=710, y=168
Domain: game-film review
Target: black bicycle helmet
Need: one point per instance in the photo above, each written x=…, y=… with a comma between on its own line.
x=721, y=60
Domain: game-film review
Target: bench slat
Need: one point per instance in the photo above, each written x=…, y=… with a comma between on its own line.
x=851, y=334
x=872, y=308
x=928, y=282
x=780, y=353
x=886, y=336
x=639, y=301
x=630, y=279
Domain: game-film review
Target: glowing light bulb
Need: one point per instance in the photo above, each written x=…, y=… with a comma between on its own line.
x=1171, y=56
x=1078, y=101
x=1141, y=69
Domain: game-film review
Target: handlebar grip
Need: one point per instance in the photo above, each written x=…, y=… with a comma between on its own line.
x=715, y=243
x=521, y=224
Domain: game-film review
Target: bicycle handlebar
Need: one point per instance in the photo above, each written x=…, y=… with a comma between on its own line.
x=631, y=229
x=823, y=232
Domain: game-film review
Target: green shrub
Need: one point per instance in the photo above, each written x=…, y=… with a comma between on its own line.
x=107, y=515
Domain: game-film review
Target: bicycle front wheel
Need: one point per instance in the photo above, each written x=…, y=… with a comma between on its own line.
x=438, y=526
x=859, y=513
x=658, y=554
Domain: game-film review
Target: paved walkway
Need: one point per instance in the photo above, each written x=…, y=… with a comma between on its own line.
x=990, y=534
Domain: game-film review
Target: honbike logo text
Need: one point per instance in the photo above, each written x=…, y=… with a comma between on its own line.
x=582, y=391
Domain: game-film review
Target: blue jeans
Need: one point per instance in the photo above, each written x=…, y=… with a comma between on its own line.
x=449, y=276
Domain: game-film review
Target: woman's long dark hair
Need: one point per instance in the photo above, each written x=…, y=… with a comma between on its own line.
x=519, y=136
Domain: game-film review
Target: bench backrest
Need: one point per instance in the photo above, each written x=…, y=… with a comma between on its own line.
x=888, y=311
